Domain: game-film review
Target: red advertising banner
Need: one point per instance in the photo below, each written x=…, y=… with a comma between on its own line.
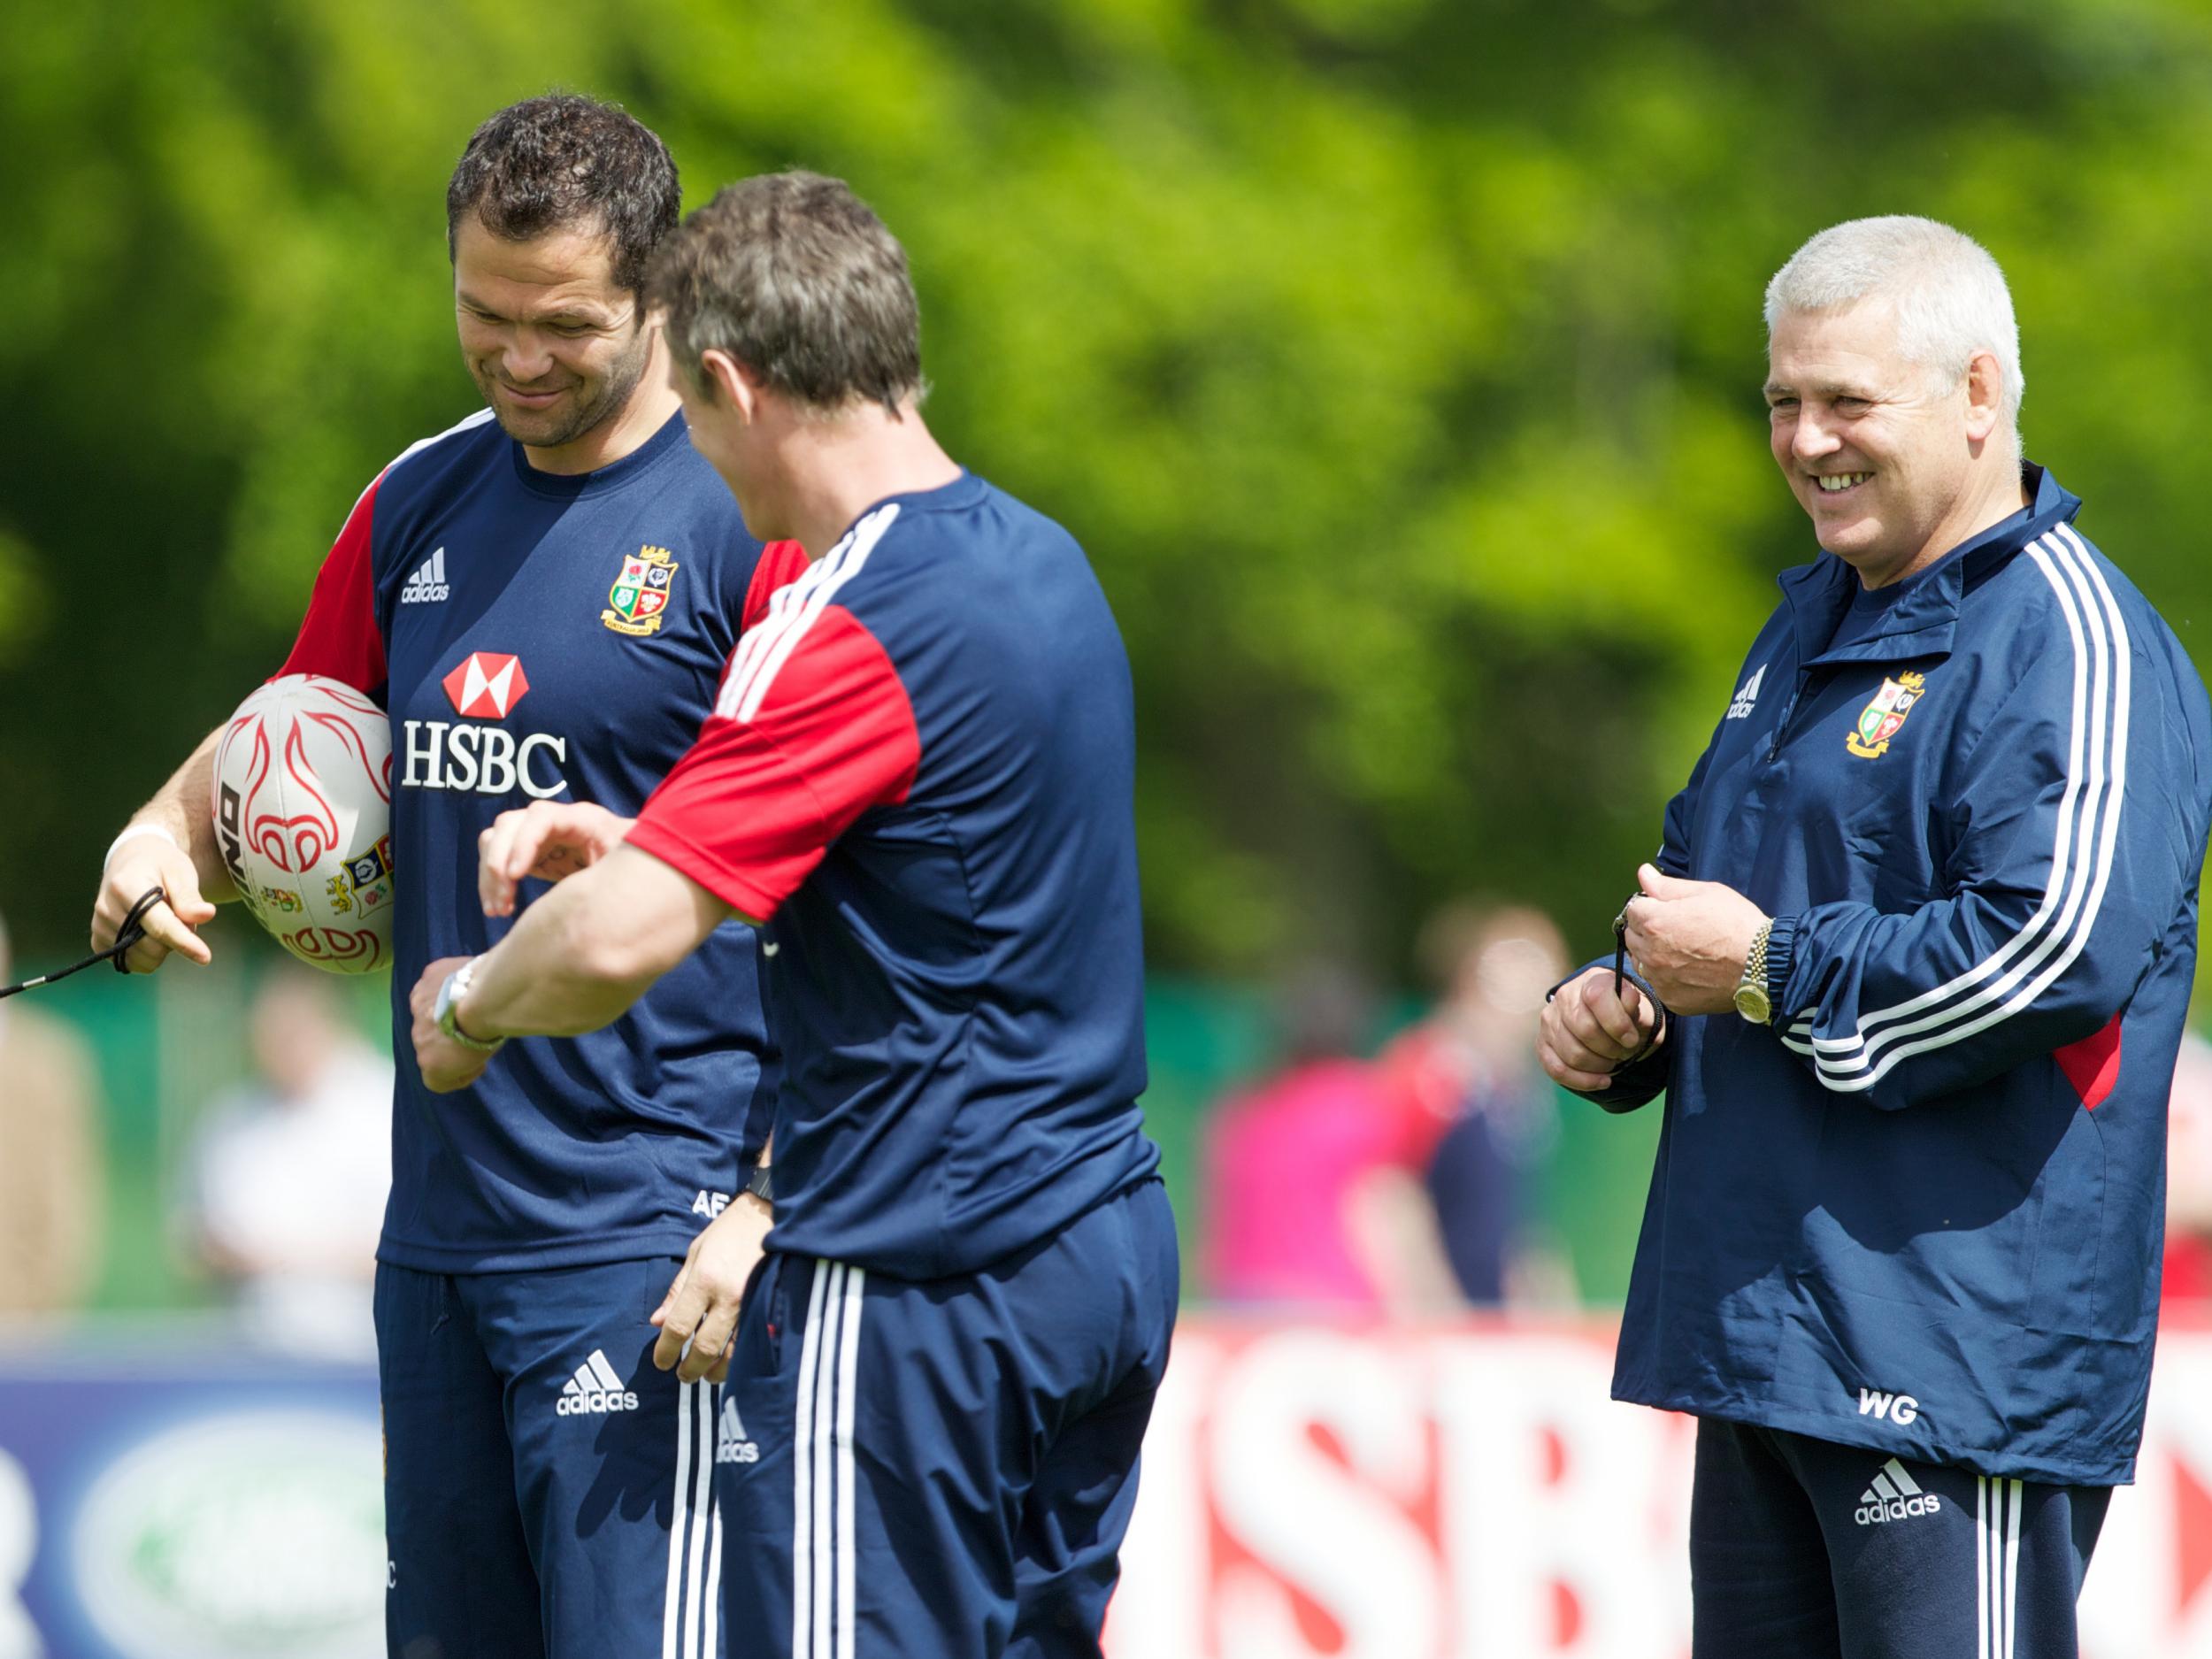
x=1318, y=1491
x=1310, y=1492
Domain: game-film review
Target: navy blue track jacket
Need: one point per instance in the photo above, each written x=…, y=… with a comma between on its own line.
x=1922, y=1212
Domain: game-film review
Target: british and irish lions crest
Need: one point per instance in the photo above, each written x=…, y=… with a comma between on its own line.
x=1880, y=720
x=640, y=594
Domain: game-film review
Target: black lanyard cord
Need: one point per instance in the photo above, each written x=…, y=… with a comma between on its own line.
x=132, y=930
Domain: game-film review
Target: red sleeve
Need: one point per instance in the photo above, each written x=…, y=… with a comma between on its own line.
x=339, y=636
x=813, y=728
x=781, y=563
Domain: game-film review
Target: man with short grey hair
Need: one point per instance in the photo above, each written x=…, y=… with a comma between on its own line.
x=1923, y=925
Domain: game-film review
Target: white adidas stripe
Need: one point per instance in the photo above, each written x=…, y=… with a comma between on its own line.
x=2064, y=861
x=1982, y=1620
x=1997, y=1511
x=2013, y=1502
x=703, y=1510
x=848, y=1376
x=709, y=1644
x=803, y=1475
x=2061, y=861
x=690, y=1616
x=825, y=1506
x=2089, y=855
x=671, y=1604
x=2062, y=921
x=824, y=1519
x=793, y=613
x=2062, y=897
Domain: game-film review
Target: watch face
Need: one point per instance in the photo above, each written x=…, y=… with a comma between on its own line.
x=1753, y=1004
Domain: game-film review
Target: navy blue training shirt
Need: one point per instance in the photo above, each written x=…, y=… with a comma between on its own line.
x=1921, y=1212
x=921, y=766
x=543, y=637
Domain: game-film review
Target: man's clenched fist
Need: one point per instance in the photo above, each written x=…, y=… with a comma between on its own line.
x=1588, y=1031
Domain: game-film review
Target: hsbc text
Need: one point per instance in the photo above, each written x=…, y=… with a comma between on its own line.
x=442, y=755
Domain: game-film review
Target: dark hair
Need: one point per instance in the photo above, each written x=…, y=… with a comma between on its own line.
x=793, y=275
x=562, y=160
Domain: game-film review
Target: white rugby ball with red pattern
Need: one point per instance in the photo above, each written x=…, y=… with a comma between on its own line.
x=303, y=799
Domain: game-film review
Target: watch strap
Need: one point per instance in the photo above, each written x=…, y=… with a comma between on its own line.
x=1752, y=999
x=449, y=995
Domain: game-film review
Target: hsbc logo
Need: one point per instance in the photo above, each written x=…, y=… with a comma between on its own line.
x=487, y=686
x=484, y=759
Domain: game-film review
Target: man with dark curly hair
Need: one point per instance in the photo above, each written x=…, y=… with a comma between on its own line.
x=543, y=597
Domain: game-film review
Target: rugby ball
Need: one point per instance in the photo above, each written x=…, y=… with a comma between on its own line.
x=303, y=804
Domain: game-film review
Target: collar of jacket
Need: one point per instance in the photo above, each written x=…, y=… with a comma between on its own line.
x=1924, y=618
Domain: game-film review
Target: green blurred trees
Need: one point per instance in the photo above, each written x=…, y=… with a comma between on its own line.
x=1396, y=360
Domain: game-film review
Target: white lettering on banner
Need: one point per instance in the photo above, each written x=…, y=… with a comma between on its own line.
x=1561, y=1508
x=19, y=1544
x=1159, y=1609
x=1472, y=1492
x=1332, y=1519
x=484, y=759
x=1407, y=1495
x=2149, y=1591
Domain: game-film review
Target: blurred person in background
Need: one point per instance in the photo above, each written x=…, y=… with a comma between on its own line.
x=53, y=1193
x=1476, y=1109
x=1313, y=1194
x=290, y=1172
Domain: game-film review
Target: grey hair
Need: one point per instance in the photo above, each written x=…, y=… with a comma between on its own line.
x=793, y=275
x=1949, y=294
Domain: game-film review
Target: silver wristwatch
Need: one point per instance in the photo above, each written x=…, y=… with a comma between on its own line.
x=446, y=1012
x=1752, y=999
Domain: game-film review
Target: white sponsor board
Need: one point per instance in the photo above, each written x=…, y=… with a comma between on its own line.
x=1320, y=1492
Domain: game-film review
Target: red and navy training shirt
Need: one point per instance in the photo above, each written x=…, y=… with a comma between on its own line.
x=535, y=636
x=919, y=773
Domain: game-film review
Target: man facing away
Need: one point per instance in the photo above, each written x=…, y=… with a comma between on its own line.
x=541, y=597
x=918, y=777
x=1924, y=922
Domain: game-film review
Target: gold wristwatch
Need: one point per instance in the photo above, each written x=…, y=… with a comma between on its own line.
x=1752, y=1001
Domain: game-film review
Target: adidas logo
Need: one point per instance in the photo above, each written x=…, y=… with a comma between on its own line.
x=730, y=1445
x=427, y=585
x=1894, y=1497
x=595, y=1389
x=1747, y=698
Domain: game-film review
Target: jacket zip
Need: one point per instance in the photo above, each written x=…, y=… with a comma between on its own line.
x=1782, y=725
